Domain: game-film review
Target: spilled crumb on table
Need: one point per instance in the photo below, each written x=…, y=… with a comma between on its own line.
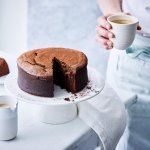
x=67, y=99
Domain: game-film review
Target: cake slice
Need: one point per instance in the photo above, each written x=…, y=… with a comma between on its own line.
x=4, y=70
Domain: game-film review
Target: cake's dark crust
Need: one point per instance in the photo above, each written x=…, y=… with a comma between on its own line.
x=35, y=85
x=39, y=69
x=4, y=70
x=81, y=79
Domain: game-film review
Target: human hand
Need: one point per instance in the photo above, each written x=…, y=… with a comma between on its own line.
x=103, y=34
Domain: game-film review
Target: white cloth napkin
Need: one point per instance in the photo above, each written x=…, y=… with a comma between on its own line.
x=106, y=115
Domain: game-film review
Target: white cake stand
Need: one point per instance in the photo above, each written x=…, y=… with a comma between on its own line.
x=63, y=106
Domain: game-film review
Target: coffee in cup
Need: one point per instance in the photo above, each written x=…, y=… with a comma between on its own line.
x=121, y=21
x=6, y=106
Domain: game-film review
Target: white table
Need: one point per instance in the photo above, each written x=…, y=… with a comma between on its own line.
x=33, y=134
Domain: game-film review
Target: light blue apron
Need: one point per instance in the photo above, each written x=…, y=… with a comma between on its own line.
x=133, y=74
x=140, y=48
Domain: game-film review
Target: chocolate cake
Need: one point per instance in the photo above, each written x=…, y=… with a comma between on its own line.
x=4, y=70
x=39, y=69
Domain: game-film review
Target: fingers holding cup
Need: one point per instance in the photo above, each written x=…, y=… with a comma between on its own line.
x=102, y=21
x=104, y=32
x=105, y=43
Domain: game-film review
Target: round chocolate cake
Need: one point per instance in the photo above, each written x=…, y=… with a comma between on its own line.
x=4, y=70
x=40, y=69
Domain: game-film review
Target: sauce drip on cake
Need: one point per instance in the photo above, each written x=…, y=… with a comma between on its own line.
x=39, y=69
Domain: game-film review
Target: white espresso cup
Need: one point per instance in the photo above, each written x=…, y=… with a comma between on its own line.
x=124, y=32
x=8, y=117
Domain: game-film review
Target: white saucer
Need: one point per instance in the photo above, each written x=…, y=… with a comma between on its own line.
x=62, y=97
x=2, y=79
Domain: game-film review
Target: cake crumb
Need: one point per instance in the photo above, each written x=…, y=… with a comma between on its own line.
x=67, y=99
x=88, y=87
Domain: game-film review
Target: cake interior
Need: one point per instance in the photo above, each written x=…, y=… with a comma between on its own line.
x=63, y=75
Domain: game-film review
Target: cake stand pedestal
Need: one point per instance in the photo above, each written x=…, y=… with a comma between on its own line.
x=57, y=114
x=61, y=108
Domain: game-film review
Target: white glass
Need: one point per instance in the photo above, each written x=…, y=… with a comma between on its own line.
x=8, y=118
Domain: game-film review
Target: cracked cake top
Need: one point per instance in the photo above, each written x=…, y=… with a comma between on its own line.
x=39, y=62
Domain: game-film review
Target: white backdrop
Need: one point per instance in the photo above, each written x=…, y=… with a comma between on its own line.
x=28, y=24
x=13, y=25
